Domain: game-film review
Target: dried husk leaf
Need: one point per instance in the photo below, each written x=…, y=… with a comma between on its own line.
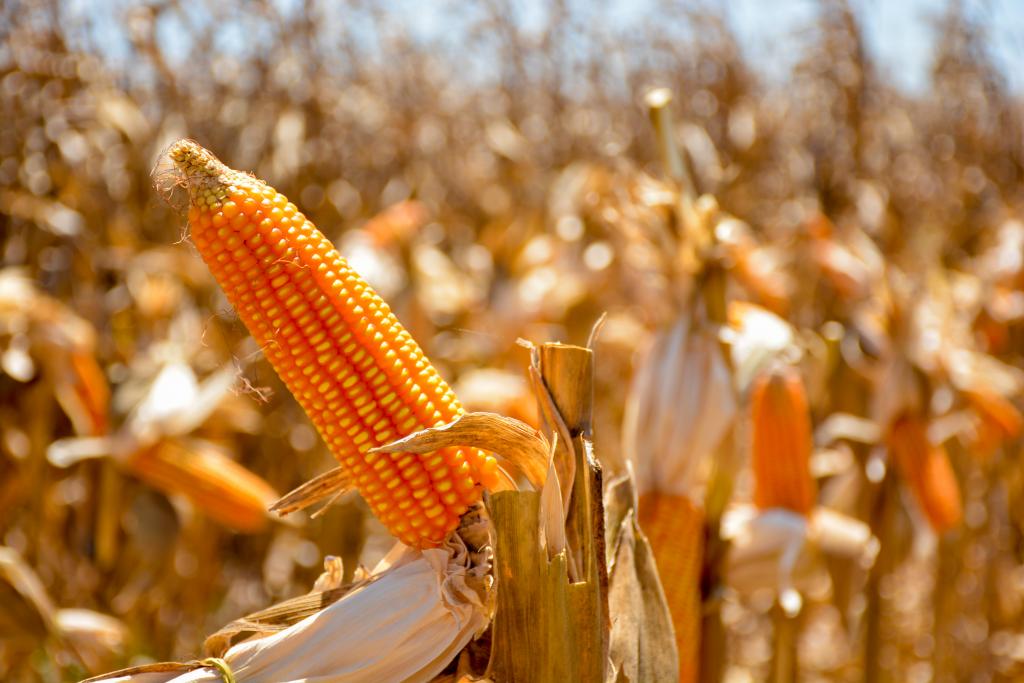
x=782, y=550
x=680, y=407
x=757, y=337
x=641, y=642
x=767, y=550
x=406, y=623
x=97, y=638
x=518, y=444
x=326, y=486
x=674, y=526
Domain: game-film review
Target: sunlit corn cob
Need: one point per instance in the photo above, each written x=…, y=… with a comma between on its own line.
x=781, y=442
x=359, y=375
x=999, y=420
x=927, y=470
x=85, y=394
x=218, y=486
x=675, y=529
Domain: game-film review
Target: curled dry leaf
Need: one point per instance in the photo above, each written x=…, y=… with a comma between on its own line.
x=93, y=638
x=326, y=486
x=846, y=427
x=521, y=446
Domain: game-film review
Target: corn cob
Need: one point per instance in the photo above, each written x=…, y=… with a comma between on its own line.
x=781, y=442
x=927, y=470
x=674, y=526
x=217, y=485
x=355, y=370
x=998, y=421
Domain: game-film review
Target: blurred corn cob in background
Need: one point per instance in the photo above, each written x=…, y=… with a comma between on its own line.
x=214, y=483
x=162, y=444
x=927, y=471
x=674, y=526
x=43, y=330
x=354, y=369
x=679, y=414
x=781, y=442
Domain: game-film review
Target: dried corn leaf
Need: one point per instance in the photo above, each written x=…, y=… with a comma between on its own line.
x=328, y=485
x=642, y=645
x=518, y=444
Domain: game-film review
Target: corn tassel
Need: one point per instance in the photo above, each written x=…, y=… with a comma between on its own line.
x=355, y=370
x=781, y=442
x=218, y=486
x=927, y=470
x=674, y=526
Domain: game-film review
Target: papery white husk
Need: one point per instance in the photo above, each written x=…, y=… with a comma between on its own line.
x=405, y=624
x=756, y=337
x=680, y=406
x=781, y=550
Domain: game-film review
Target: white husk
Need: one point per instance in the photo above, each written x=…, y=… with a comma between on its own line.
x=756, y=337
x=405, y=624
x=680, y=407
x=781, y=550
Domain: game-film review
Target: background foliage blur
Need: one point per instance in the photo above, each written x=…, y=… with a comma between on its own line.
x=492, y=182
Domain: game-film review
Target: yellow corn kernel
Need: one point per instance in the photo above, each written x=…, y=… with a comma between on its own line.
x=335, y=344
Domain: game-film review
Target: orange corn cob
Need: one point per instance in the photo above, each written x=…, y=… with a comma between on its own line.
x=927, y=471
x=217, y=485
x=999, y=421
x=358, y=374
x=781, y=442
x=84, y=393
x=674, y=526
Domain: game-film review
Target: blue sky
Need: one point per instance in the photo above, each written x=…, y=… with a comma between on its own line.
x=899, y=33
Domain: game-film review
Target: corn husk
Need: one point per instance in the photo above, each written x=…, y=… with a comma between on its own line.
x=674, y=526
x=642, y=623
x=782, y=551
x=756, y=337
x=406, y=622
x=679, y=414
x=680, y=407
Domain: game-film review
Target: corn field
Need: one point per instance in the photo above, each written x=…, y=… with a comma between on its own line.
x=345, y=342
